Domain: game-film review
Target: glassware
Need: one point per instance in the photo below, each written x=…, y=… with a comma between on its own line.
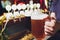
x=23, y=6
x=38, y=5
x=37, y=23
x=27, y=6
x=14, y=7
x=8, y=8
x=9, y=15
x=19, y=7
x=35, y=5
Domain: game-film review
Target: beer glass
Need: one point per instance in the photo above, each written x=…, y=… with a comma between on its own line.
x=37, y=26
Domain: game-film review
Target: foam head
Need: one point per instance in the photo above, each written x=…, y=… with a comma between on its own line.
x=39, y=16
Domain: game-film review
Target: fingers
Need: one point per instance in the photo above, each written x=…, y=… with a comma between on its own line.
x=53, y=15
x=49, y=30
x=50, y=23
x=49, y=27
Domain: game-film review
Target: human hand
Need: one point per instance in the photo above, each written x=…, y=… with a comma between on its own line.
x=50, y=24
x=49, y=27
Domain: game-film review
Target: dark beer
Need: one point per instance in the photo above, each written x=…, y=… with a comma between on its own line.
x=38, y=27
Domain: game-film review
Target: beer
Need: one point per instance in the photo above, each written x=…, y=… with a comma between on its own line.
x=37, y=23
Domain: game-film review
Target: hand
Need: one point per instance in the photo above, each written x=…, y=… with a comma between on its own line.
x=50, y=24
x=49, y=27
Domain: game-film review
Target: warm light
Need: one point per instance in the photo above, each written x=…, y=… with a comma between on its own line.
x=46, y=3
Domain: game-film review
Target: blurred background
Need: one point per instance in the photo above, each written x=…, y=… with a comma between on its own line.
x=15, y=32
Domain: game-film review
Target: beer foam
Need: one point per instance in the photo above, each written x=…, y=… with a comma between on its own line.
x=39, y=16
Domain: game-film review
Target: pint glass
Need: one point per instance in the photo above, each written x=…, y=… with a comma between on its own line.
x=37, y=26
